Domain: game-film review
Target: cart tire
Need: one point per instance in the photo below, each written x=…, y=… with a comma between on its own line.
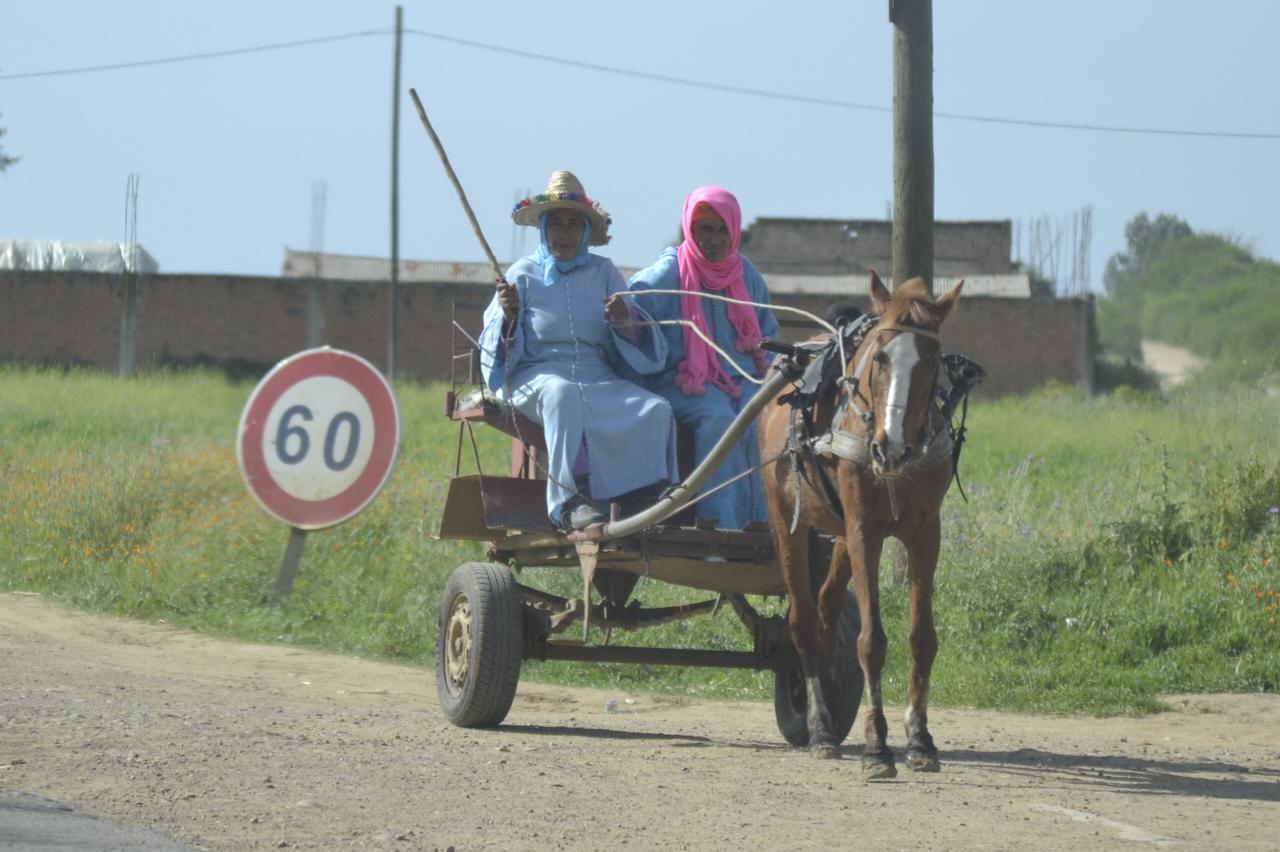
x=479, y=645
x=790, y=704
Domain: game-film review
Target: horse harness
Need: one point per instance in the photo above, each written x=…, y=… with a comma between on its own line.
x=826, y=368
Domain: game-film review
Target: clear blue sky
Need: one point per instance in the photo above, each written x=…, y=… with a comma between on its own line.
x=228, y=149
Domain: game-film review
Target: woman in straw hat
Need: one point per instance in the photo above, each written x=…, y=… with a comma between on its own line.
x=554, y=338
x=705, y=390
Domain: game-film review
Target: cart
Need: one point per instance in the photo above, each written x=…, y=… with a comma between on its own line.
x=490, y=622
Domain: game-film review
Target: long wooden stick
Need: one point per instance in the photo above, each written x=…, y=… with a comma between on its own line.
x=444, y=158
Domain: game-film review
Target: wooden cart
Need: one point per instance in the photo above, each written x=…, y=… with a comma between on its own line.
x=489, y=623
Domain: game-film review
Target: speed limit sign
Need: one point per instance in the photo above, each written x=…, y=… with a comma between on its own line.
x=318, y=438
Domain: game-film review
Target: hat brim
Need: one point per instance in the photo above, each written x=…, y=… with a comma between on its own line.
x=529, y=215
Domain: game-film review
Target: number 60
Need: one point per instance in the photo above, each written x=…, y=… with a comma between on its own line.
x=285, y=431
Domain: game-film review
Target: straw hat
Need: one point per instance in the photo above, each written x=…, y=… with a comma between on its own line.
x=564, y=191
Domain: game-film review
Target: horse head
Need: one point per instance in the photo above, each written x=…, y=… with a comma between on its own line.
x=896, y=371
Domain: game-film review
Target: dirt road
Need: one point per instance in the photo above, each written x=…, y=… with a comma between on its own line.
x=1172, y=364
x=233, y=747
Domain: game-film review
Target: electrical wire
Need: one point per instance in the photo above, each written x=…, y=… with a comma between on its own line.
x=191, y=57
x=661, y=78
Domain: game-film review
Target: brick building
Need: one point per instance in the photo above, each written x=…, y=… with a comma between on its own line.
x=247, y=324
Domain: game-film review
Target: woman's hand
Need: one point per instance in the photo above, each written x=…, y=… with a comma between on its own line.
x=616, y=310
x=509, y=299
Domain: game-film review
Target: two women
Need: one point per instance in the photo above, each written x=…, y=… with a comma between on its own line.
x=706, y=389
x=555, y=337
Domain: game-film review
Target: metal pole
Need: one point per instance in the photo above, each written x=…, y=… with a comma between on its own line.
x=395, y=203
x=289, y=566
x=912, y=140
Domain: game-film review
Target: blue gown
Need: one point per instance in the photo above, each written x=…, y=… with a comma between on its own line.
x=561, y=370
x=710, y=414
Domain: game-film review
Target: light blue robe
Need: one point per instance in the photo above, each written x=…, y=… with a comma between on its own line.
x=561, y=371
x=710, y=414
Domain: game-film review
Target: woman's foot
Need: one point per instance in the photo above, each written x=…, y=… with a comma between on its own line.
x=578, y=514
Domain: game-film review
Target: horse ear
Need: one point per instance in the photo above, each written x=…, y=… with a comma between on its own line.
x=947, y=300
x=879, y=294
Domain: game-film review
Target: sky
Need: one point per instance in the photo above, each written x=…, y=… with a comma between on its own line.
x=785, y=104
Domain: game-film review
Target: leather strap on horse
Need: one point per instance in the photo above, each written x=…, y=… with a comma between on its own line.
x=828, y=487
x=797, y=446
x=964, y=374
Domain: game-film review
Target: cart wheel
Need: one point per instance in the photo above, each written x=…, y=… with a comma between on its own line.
x=790, y=702
x=479, y=645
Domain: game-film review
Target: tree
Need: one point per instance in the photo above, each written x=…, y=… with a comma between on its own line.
x=1145, y=238
x=5, y=162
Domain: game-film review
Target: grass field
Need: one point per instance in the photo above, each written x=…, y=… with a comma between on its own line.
x=1111, y=549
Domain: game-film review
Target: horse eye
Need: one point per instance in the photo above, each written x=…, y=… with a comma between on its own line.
x=882, y=358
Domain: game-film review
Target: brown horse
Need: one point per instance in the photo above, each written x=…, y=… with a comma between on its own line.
x=876, y=462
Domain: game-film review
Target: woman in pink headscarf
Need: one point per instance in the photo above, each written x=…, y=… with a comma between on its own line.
x=705, y=389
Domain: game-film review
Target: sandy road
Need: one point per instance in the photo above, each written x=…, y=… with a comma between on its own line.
x=228, y=746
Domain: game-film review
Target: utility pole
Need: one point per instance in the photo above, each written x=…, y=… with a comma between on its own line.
x=395, y=203
x=129, y=281
x=912, y=140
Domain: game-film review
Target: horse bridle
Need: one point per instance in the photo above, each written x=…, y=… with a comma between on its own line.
x=849, y=446
x=851, y=386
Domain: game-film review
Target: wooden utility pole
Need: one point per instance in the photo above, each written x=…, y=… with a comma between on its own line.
x=912, y=140
x=395, y=204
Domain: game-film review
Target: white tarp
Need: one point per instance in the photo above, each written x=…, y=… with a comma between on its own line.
x=70, y=256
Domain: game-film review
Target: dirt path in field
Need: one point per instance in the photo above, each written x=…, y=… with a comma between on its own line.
x=1172, y=364
x=226, y=746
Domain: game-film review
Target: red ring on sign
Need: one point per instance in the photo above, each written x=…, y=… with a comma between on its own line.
x=316, y=514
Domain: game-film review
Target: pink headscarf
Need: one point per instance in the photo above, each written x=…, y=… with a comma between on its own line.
x=701, y=364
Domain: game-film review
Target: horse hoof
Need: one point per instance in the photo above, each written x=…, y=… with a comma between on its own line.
x=876, y=767
x=824, y=751
x=923, y=761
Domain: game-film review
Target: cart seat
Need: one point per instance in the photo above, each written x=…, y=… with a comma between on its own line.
x=484, y=406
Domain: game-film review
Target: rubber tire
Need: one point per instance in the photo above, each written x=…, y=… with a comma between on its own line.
x=790, y=703
x=496, y=633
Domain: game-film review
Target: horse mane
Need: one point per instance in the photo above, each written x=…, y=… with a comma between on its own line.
x=913, y=305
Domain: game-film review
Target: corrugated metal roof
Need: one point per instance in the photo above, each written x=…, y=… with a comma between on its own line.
x=347, y=267
x=305, y=264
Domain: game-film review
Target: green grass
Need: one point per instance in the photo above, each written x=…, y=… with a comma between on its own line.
x=1111, y=549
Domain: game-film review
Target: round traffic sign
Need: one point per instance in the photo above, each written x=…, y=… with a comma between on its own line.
x=318, y=437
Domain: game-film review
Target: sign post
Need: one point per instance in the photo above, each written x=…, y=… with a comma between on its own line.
x=317, y=441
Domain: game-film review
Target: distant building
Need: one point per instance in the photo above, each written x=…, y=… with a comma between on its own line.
x=831, y=257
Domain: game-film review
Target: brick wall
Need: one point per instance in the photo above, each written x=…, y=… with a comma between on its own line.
x=843, y=246
x=254, y=322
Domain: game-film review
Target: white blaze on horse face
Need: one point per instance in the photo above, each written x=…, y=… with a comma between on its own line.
x=903, y=357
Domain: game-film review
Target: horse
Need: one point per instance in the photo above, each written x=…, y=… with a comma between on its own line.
x=873, y=460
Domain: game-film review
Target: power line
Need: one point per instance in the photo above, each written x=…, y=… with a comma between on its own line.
x=190, y=57
x=648, y=75
x=791, y=98
x=662, y=78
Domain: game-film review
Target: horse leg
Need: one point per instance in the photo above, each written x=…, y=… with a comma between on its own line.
x=864, y=558
x=793, y=559
x=922, y=562
x=830, y=606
